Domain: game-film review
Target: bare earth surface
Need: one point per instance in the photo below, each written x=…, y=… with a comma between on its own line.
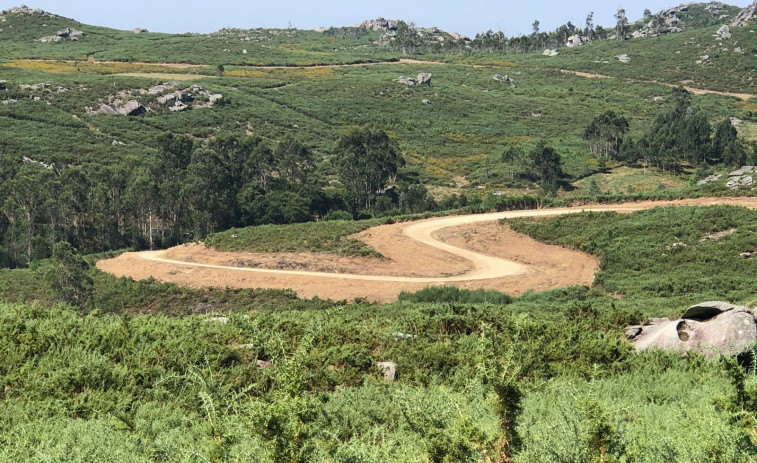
x=470, y=251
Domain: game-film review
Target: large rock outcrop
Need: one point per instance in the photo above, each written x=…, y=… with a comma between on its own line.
x=63, y=35
x=746, y=16
x=424, y=78
x=723, y=33
x=380, y=24
x=713, y=328
x=126, y=102
x=24, y=10
x=575, y=41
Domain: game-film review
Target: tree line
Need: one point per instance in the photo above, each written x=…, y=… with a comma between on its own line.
x=679, y=137
x=193, y=188
x=409, y=40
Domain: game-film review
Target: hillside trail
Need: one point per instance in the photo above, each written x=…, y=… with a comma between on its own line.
x=469, y=251
x=694, y=90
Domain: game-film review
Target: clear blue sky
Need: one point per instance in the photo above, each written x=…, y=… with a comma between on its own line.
x=466, y=17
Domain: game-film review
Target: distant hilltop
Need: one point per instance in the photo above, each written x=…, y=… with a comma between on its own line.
x=670, y=20
x=24, y=10
x=389, y=26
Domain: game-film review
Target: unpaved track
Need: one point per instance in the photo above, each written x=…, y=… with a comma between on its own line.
x=694, y=90
x=499, y=259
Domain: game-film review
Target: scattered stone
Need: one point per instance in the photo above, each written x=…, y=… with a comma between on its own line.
x=709, y=179
x=132, y=108
x=505, y=78
x=389, y=369
x=717, y=236
x=704, y=59
x=737, y=50
x=426, y=101
x=27, y=160
x=723, y=33
x=10, y=101
x=178, y=107
x=550, y=53
x=62, y=35
x=263, y=364
x=244, y=52
x=423, y=78
x=736, y=183
x=712, y=328
x=714, y=7
x=736, y=122
x=743, y=170
x=107, y=109
x=174, y=97
x=139, y=30
x=623, y=58
x=403, y=336
x=36, y=87
x=658, y=98
x=160, y=88
x=576, y=40
x=194, y=97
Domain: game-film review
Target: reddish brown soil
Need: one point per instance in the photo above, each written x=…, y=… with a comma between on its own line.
x=466, y=251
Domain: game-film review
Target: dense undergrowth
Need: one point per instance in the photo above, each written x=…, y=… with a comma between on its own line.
x=482, y=376
x=662, y=252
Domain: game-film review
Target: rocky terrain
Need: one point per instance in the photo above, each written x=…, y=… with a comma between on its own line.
x=713, y=328
x=127, y=102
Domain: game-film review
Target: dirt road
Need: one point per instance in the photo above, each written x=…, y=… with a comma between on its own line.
x=471, y=251
x=694, y=90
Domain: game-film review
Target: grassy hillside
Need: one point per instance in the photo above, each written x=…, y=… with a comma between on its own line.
x=466, y=125
x=672, y=59
x=20, y=36
x=461, y=132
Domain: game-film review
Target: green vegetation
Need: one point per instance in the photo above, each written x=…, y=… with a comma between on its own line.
x=540, y=377
x=454, y=294
x=329, y=236
x=98, y=368
x=115, y=182
x=664, y=251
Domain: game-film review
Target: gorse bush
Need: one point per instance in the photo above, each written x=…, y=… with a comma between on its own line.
x=662, y=252
x=481, y=376
x=455, y=294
